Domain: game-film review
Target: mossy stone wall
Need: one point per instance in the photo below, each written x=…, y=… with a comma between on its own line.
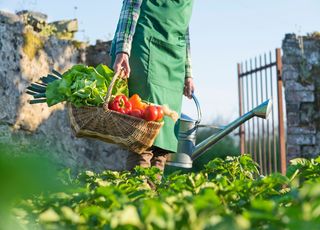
x=301, y=75
x=26, y=54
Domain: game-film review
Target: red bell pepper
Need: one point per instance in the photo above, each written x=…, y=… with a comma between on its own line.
x=120, y=104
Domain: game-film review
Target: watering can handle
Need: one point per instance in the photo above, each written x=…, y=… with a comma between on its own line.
x=198, y=109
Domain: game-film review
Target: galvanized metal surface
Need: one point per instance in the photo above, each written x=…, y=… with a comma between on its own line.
x=187, y=151
x=186, y=130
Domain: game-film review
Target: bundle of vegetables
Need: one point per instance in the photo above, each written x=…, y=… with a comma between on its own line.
x=87, y=86
x=99, y=107
x=81, y=85
x=134, y=106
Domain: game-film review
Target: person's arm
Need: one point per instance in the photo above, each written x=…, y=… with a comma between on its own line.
x=188, y=57
x=188, y=82
x=127, y=24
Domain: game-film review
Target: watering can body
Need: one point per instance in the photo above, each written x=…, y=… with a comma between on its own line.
x=186, y=129
x=186, y=132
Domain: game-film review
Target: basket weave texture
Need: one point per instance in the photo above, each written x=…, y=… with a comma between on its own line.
x=110, y=126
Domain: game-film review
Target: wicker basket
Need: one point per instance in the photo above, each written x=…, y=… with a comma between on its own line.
x=110, y=126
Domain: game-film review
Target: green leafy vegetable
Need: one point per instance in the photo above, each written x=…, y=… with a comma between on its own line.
x=84, y=86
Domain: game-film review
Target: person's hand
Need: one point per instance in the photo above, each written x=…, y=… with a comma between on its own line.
x=122, y=62
x=188, y=87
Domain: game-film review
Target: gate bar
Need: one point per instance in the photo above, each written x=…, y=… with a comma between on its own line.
x=280, y=113
x=240, y=88
x=248, y=76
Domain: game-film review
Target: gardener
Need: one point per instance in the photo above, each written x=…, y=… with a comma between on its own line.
x=151, y=44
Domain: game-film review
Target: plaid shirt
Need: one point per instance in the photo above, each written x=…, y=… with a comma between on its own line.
x=126, y=27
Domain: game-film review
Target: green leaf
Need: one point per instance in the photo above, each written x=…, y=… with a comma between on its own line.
x=264, y=205
x=84, y=86
x=53, y=95
x=105, y=71
x=128, y=216
x=49, y=216
x=299, y=161
x=72, y=216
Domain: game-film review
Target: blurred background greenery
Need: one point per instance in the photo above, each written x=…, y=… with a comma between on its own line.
x=24, y=173
x=228, y=146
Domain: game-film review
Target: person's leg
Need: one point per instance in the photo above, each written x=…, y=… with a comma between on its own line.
x=155, y=157
x=135, y=159
x=159, y=158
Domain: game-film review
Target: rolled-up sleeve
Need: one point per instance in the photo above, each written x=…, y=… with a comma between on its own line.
x=126, y=26
x=188, y=56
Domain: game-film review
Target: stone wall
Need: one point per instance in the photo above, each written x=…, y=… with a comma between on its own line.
x=301, y=75
x=26, y=54
x=98, y=53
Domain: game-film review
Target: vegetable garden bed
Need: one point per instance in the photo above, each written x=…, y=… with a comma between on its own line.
x=227, y=194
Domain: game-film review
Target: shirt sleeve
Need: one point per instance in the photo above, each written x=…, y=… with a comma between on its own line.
x=127, y=25
x=188, y=59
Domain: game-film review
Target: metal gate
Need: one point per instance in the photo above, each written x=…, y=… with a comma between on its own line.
x=259, y=79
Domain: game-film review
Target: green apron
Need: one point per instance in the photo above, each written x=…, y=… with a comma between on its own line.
x=158, y=58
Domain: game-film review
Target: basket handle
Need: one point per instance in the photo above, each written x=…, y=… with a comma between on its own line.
x=107, y=98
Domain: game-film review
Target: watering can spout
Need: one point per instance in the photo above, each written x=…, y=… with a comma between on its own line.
x=263, y=110
x=185, y=159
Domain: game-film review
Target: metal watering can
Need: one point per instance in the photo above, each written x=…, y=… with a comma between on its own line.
x=186, y=132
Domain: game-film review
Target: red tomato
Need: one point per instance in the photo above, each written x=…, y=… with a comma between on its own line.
x=136, y=113
x=160, y=113
x=151, y=113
